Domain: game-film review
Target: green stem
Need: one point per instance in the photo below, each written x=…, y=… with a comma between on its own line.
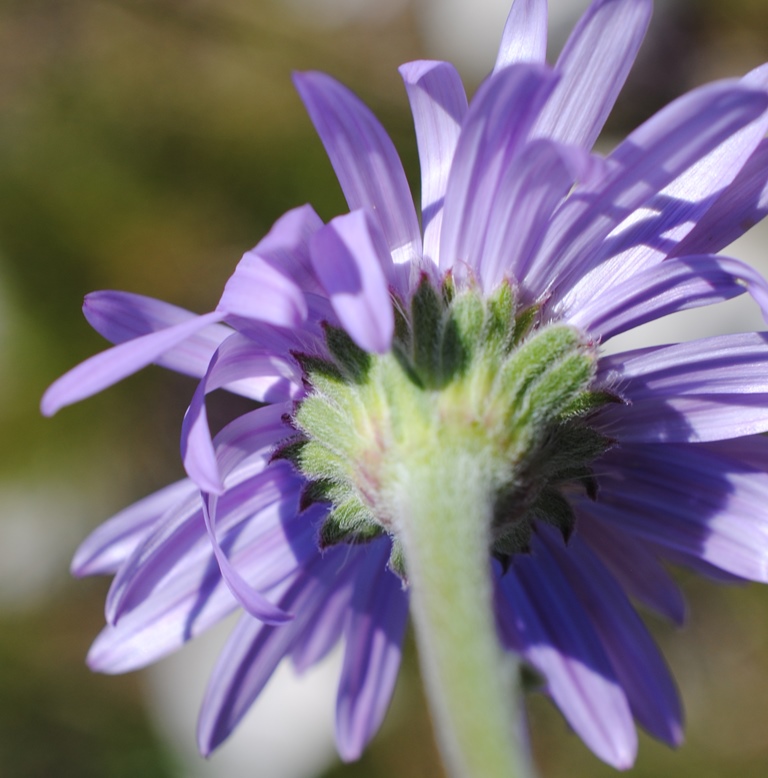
x=445, y=504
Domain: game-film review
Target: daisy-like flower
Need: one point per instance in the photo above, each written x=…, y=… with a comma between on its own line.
x=437, y=428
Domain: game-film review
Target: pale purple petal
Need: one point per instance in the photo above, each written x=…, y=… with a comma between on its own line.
x=438, y=104
x=639, y=667
x=650, y=158
x=270, y=281
x=676, y=285
x=692, y=499
x=494, y=131
x=254, y=603
x=650, y=234
x=365, y=161
x=262, y=506
x=113, y=542
x=634, y=565
x=708, y=389
x=374, y=636
x=525, y=34
x=540, y=617
x=531, y=186
x=111, y=366
x=237, y=360
x=594, y=65
x=254, y=650
x=738, y=208
x=121, y=316
x=349, y=260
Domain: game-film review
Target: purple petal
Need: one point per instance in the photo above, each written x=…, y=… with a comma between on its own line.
x=257, y=520
x=438, y=104
x=237, y=360
x=531, y=185
x=708, y=389
x=692, y=499
x=648, y=160
x=494, y=131
x=374, y=636
x=348, y=257
x=738, y=208
x=525, y=34
x=541, y=618
x=110, y=544
x=254, y=650
x=243, y=448
x=111, y=366
x=639, y=667
x=249, y=597
x=594, y=65
x=121, y=316
x=676, y=285
x=650, y=234
x=634, y=565
x=364, y=159
x=176, y=598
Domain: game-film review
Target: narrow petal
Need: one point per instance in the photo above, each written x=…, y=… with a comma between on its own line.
x=687, y=282
x=640, y=670
x=238, y=359
x=111, y=366
x=438, y=104
x=365, y=161
x=254, y=650
x=243, y=449
x=594, y=65
x=348, y=257
x=113, y=542
x=708, y=389
x=648, y=160
x=525, y=34
x=121, y=316
x=254, y=603
x=696, y=500
x=652, y=233
x=737, y=208
x=531, y=186
x=634, y=565
x=374, y=636
x=541, y=618
x=494, y=131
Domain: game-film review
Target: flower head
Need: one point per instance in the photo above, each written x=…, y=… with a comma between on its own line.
x=392, y=360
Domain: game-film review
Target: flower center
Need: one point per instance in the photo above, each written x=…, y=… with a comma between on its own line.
x=466, y=376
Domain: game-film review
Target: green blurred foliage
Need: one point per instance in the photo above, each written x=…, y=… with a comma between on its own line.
x=144, y=146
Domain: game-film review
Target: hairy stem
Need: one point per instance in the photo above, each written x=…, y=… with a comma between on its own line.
x=445, y=503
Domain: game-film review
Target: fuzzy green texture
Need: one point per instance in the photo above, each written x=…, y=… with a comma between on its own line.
x=454, y=443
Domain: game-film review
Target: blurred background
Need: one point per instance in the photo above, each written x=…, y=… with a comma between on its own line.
x=144, y=146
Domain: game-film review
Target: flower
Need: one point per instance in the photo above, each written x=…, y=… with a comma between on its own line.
x=380, y=351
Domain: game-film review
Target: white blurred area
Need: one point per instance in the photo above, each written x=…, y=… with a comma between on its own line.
x=288, y=733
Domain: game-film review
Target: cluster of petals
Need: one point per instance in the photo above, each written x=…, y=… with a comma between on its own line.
x=511, y=190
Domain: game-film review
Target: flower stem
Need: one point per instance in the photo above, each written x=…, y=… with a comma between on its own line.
x=445, y=503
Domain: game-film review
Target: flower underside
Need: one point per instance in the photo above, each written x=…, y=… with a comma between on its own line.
x=466, y=376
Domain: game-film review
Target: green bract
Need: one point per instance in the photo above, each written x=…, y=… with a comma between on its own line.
x=466, y=376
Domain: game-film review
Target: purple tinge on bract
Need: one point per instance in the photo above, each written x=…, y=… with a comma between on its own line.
x=511, y=193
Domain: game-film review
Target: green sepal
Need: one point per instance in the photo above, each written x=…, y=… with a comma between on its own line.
x=500, y=324
x=349, y=522
x=589, y=401
x=354, y=362
x=397, y=561
x=552, y=508
x=426, y=322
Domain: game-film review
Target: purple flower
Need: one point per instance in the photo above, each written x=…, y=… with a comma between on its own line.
x=621, y=463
